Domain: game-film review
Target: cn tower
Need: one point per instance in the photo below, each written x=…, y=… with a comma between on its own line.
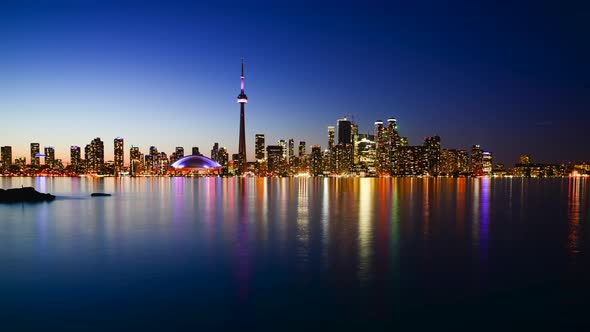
x=242, y=100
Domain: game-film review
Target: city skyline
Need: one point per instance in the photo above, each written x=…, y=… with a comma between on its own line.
x=169, y=78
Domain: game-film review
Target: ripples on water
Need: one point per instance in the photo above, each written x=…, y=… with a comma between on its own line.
x=220, y=253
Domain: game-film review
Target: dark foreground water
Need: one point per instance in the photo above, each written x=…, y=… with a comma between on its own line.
x=276, y=254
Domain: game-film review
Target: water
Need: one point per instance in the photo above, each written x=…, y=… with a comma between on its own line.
x=275, y=254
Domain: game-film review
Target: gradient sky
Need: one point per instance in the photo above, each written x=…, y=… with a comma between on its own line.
x=513, y=78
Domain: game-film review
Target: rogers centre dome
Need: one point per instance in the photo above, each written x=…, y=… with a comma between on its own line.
x=196, y=164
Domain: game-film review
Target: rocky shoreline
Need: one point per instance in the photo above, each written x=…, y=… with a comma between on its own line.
x=26, y=194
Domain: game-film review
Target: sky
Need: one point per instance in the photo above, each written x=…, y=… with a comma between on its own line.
x=511, y=77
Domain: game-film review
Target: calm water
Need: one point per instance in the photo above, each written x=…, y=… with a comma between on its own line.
x=218, y=254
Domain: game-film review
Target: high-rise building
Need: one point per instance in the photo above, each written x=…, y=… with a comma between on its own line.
x=154, y=158
x=432, y=148
x=88, y=157
x=223, y=160
x=50, y=156
x=274, y=159
x=486, y=161
x=344, y=131
x=302, y=149
x=215, y=152
x=35, y=150
x=259, y=147
x=367, y=155
x=449, y=162
x=382, y=151
x=330, y=137
x=316, y=160
x=179, y=152
x=97, y=154
x=524, y=159
x=342, y=158
x=75, y=157
x=242, y=100
x=283, y=146
x=393, y=140
x=463, y=161
x=476, y=161
x=6, y=155
x=135, y=160
x=291, y=150
x=119, y=155
x=195, y=151
x=411, y=161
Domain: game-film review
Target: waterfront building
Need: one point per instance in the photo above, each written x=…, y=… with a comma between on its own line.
x=274, y=159
x=411, y=161
x=486, y=163
x=50, y=156
x=215, y=152
x=75, y=158
x=35, y=150
x=6, y=156
x=259, y=142
x=316, y=161
x=119, y=155
x=476, y=161
x=432, y=149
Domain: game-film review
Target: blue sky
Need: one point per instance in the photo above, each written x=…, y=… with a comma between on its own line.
x=513, y=78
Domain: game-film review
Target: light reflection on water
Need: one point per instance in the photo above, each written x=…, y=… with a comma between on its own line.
x=388, y=240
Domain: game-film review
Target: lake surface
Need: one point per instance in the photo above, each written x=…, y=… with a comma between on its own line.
x=276, y=254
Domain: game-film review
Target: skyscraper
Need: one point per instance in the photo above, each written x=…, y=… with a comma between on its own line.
x=274, y=159
x=344, y=131
x=291, y=150
x=195, y=151
x=6, y=156
x=179, y=152
x=382, y=152
x=215, y=152
x=259, y=147
x=486, y=163
x=97, y=154
x=242, y=100
x=135, y=160
x=119, y=155
x=50, y=156
x=302, y=149
x=476, y=161
x=330, y=137
x=316, y=160
x=154, y=158
x=34, y=152
x=432, y=147
x=75, y=157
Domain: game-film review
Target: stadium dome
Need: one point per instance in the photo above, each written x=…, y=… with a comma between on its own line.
x=196, y=164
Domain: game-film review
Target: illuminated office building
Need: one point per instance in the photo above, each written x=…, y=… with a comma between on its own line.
x=302, y=149
x=50, y=156
x=259, y=142
x=274, y=159
x=432, y=149
x=487, y=160
x=119, y=155
x=215, y=152
x=75, y=157
x=35, y=150
x=6, y=156
x=476, y=161
x=316, y=161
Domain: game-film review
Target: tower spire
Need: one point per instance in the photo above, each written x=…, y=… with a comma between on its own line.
x=242, y=100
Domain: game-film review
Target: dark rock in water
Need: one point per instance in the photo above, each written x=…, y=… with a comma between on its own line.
x=27, y=194
x=99, y=195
